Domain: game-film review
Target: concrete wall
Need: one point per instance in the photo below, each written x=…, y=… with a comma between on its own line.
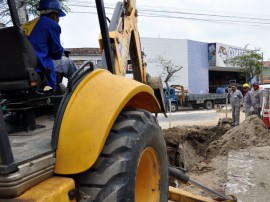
x=174, y=50
x=198, y=74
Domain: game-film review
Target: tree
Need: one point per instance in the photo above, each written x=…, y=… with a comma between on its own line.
x=250, y=63
x=25, y=8
x=168, y=72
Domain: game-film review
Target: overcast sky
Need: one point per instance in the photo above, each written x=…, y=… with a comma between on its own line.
x=206, y=24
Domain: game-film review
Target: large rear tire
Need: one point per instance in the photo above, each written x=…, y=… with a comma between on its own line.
x=133, y=164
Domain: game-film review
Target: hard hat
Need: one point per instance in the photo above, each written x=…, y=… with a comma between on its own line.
x=256, y=83
x=246, y=85
x=53, y=5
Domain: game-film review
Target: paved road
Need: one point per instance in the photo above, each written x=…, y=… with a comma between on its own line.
x=193, y=117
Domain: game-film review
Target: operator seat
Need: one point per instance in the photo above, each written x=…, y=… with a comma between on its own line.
x=18, y=78
x=17, y=61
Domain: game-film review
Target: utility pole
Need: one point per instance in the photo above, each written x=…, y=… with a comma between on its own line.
x=262, y=71
x=22, y=11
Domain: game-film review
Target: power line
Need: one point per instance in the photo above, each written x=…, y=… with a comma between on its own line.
x=157, y=13
x=171, y=11
x=190, y=18
x=223, y=21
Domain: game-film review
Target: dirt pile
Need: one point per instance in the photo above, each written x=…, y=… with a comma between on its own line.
x=202, y=150
x=251, y=132
x=187, y=145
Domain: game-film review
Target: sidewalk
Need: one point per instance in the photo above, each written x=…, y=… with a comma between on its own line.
x=227, y=113
x=248, y=175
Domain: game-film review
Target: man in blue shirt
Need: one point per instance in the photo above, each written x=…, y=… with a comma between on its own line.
x=44, y=35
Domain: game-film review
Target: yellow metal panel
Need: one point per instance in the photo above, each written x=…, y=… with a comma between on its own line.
x=178, y=195
x=51, y=190
x=90, y=114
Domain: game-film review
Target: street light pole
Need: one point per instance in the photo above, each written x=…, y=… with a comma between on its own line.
x=261, y=79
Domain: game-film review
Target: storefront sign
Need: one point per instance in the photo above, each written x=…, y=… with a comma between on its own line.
x=220, y=54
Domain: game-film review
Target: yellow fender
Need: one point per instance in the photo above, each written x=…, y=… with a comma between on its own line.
x=90, y=114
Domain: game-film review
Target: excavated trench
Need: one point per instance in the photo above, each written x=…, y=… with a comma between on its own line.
x=187, y=145
x=202, y=150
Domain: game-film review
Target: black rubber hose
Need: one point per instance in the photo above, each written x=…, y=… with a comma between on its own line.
x=178, y=174
x=181, y=176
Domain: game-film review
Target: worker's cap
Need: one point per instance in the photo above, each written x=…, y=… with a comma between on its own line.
x=48, y=6
x=246, y=85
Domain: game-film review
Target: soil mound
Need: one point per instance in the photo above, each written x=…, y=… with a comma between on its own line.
x=187, y=145
x=202, y=150
x=251, y=132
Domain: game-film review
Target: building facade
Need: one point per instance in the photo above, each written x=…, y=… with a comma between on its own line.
x=204, y=65
x=266, y=72
x=190, y=55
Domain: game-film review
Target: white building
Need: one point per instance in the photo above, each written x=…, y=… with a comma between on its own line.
x=191, y=55
x=204, y=65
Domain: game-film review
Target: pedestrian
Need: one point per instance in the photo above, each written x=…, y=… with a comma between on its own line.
x=249, y=100
x=44, y=35
x=258, y=94
x=236, y=99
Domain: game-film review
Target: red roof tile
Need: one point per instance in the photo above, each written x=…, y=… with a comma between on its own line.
x=266, y=63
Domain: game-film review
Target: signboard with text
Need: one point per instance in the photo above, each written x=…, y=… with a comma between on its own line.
x=219, y=54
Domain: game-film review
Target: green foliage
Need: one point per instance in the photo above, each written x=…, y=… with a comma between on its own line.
x=250, y=63
x=30, y=8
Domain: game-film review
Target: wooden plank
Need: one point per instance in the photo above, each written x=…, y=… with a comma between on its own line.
x=179, y=195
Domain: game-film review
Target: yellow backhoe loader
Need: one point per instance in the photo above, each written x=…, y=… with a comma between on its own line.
x=95, y=148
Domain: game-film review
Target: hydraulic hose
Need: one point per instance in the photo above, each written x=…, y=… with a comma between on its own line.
x=181, y=176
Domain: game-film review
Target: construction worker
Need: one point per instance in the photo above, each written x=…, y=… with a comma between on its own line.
x=258, y=94
x=236, y=99
x=44, y=35
x=249, y=100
